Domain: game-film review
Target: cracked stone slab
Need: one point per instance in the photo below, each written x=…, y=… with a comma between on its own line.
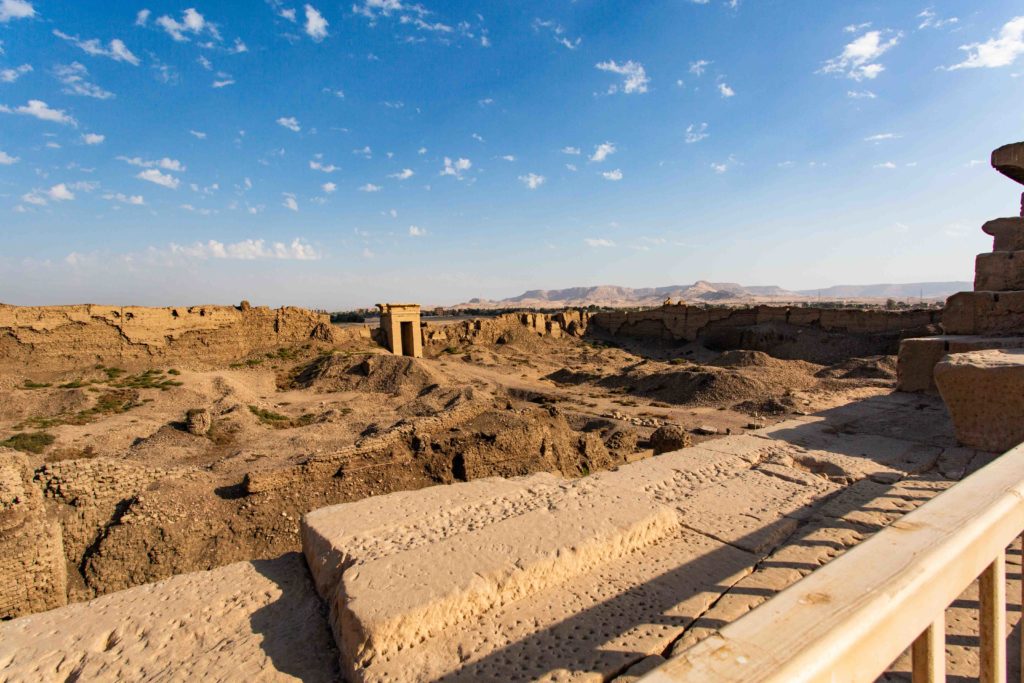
x=754, y=510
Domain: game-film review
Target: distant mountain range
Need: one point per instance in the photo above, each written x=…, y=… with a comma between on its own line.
x=703, y=291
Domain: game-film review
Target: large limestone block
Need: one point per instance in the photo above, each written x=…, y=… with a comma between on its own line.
x=984, y=313
x=386, y=601
x=915, y=367
x=250, y=621
x=999, y=271
x=1008, y=233
x=984, y=391
x=1009, y=160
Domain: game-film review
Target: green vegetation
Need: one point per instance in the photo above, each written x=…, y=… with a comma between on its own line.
x=29, y=442
x=150, y=379
x=29, y=384
x=279, y=421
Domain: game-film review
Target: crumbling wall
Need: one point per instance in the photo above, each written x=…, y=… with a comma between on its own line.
x=823, y=335
x=55, y=338
x=507, y=327
x=33, y=575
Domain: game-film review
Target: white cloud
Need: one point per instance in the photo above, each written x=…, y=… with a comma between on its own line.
x=319, y=166
x=6, y=159
x=135, y=199
x=882, y=136
x=337, y=92
x=11, y=75
x=404, y=174
x=15, y=9
x=725, y=90
x=996, y=52
x=509, y=157
x=165, y=163
x=191, y=22
x=598, y=242
x=370, y=187
x=532, y=180
x=224, y=80
x=163, y=179
x=290, y=202
x=929, y=19
x=142, y=17
x=861, y=94
x=73, y=76
x=329, y=187
x=197, y=134
x=887, y=164
x=696, y=133
x=477, y=137
x=456, y=168
x=421, y=151
x=699, y=67
x=93, y=138
x=853, y=28
x=558, y=33
x=34, y=198
x=364, y=152
x=571, y=150
x=115, y=50
x=485, y=101
x=724, y=166
x=416, y=231
x=41, y=111
x=612, y=175
x=60, y=193
x=289, y=122
x=634, y=80
x=603, y=151
x=571, y=167
x=316, y=25
x=858, y=59
x=247, y=250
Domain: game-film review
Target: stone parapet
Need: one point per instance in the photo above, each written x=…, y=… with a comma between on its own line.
x=999, y=271
x=918, y=357
x=1007, y=233
x=984, y=313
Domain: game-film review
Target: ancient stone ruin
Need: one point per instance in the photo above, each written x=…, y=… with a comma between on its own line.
x=978, y=363
x=400, y=325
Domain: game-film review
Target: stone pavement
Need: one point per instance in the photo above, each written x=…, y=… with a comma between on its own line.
x=536, y=578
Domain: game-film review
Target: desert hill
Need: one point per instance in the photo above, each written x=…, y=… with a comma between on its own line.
x=703, y=291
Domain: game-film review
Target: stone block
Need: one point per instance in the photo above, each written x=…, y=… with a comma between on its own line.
x=984, y=313
x=999, y=271
x=984, y=392
x=915, y=367
x=1009, y=160
x=1008, y=233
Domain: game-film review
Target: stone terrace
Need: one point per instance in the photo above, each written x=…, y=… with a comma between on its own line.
x=531, y=578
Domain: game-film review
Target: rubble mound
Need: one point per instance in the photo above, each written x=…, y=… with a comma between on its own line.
x=668, y=438
x=741, y=358
x=377, y=373
x=873, y=367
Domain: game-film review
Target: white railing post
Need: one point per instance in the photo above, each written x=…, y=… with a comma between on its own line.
x=992, y=621
x=928, y=655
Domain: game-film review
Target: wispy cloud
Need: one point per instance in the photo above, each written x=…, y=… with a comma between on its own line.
x=289, y=122
x=6, y=159
x=929, y=19
x=598, y=242
x=880, y=137
x=417, y=231
x=615, y=175
x=370, y=187
x=247, y=250
x=695, y=132
x=16, y=9
x=404, y=174
x=11, y=75
x=725, y=91
x=456, y=168
x=634, y=79
x=116, y=49
x=152, y=175
x=192, y=23
x=699, y=67
x=557, y=32
x=73, y=77
x=93, y=138
x=165, y=163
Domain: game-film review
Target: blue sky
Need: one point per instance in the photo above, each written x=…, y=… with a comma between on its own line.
x=338, y=154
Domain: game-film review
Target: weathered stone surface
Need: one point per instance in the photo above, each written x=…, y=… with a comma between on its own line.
x=198, y=421
x=915, y=367
x=1009, y=160
x=669, y=438
x=33, y=576
x=1008, y=233
x=984, y=391
x=69, y=337
x=999, y=271
x=251, y=621
x=984, y=313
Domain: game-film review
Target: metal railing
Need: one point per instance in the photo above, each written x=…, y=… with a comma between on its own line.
x=851, y=619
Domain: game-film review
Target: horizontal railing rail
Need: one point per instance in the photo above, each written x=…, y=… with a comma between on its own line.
x=851, y=619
